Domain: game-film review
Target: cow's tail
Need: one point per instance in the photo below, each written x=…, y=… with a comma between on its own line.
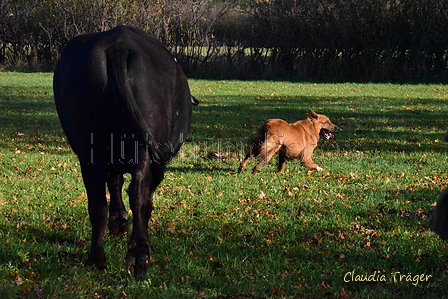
x=121, y=80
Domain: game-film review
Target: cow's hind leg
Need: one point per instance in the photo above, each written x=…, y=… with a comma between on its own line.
x=95, y=183
x=145, y=179
x=118, y=217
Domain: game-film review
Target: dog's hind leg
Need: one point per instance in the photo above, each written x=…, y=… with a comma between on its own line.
x=253, y=152
x=282, y=157
x=266, y=152
x=245, y=161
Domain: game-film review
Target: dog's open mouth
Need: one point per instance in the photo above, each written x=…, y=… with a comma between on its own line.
x=327, y=134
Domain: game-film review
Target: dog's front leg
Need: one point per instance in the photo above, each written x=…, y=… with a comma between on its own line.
x=307, y=161
x=312, y=165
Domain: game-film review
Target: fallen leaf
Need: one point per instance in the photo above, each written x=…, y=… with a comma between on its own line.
x=18, y=281
x=343, y=293
x=325, y=285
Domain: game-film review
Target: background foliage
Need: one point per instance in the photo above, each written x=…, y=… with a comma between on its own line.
x=321, y=39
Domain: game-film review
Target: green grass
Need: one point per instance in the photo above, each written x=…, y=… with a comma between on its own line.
x=291, y=235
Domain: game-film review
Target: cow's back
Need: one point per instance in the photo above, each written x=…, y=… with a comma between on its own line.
x=119, y=86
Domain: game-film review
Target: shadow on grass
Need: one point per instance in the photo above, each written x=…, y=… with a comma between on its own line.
x=393, y=129
x=232, y=120
x=29, y=123
x=235, y=260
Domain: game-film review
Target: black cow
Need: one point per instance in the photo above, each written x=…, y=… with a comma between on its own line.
x=439, y=217
x=125, y=106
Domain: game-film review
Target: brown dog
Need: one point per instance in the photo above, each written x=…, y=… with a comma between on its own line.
x=296, y=140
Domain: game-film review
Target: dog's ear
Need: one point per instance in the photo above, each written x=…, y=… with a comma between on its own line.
x=312, y=114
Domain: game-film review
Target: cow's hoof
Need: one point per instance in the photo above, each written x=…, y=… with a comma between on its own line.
x=118, y=225
x=98, y=263
x=137, y=266
x=99, y=266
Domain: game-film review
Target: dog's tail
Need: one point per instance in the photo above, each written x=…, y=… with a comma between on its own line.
x=259, y=137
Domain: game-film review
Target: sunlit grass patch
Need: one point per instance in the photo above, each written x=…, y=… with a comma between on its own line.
x=215, y=232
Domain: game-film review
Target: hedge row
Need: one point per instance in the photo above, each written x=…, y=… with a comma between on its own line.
x=369, y=40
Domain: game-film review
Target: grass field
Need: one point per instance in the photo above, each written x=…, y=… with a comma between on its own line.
x=301, y=234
